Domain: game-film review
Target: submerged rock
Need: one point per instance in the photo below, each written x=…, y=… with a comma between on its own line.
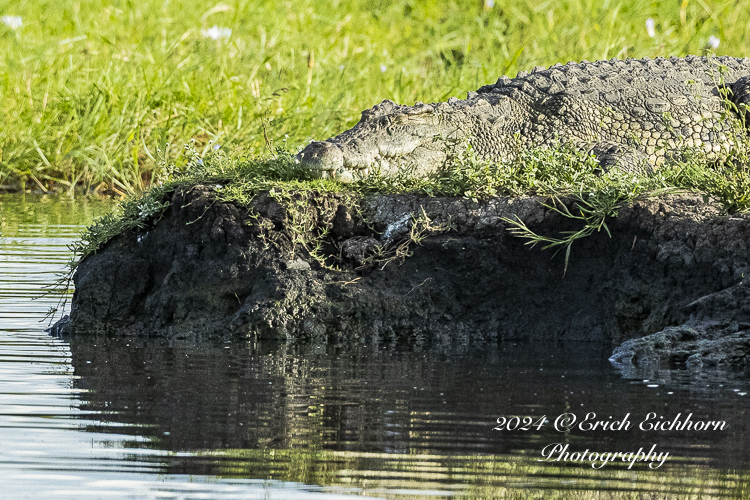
x=414, y=269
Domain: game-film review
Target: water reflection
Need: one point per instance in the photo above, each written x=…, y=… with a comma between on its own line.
x=287, y=402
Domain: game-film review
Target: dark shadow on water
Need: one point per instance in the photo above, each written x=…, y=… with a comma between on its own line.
x=375, y=399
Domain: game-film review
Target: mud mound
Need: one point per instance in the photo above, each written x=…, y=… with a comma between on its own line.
x=211, y=269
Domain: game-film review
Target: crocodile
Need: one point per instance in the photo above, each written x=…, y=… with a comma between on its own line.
x=632, y=114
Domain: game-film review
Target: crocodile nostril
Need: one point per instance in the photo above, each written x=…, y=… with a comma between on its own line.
x=318, y=148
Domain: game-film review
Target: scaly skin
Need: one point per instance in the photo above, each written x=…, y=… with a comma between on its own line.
x=632, y=114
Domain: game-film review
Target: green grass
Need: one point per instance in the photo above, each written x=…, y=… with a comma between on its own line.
x=564, y=172
x=101, y=91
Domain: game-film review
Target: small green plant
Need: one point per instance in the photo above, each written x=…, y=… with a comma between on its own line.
x=593, y=212
x=134, y=212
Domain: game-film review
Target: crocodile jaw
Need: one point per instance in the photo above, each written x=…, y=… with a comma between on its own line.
x=348, y=164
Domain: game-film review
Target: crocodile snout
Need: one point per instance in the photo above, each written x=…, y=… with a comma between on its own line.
x=325, y=157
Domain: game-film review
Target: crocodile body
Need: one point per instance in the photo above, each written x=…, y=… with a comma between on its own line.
x=632, y=114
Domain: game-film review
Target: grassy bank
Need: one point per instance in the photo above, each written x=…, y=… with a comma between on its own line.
x=104, y=95
x=553, y=173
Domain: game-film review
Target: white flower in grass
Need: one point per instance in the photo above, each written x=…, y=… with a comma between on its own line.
x=714, y=42
x=650, y=25
x=383, y=68
x=217, y=33
x=217, y=147
x=12, y=22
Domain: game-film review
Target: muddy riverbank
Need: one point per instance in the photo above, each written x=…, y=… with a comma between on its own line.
x=419, y=270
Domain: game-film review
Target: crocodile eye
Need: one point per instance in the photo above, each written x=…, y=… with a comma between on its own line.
x=420, y=109
x=384, y=121
x=399, y=119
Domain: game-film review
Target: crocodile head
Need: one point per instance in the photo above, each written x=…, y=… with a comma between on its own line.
x=387, y=136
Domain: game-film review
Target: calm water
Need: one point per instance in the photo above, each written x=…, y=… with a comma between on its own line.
x=114, y=418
